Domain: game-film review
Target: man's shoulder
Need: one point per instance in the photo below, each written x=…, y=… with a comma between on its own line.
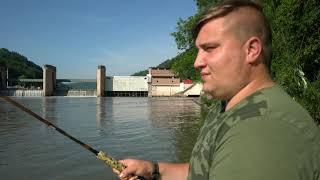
x=266, y=128
x=253, y=146
x=267, y=109
x=269, y=103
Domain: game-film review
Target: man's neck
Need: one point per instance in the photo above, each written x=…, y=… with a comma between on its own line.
x=249, y=89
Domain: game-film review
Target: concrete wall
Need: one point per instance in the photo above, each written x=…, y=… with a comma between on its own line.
x=81, y=93
x=126, y=83
x=160, y=73
x=165, y=81
x=174, y=90
x=49, y=80
x=169, y=90
x=101, y=74
x=195, y=90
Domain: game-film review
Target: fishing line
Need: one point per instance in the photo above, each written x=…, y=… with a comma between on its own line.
x=113, y=163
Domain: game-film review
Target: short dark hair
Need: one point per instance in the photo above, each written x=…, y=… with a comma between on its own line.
x=227, y=6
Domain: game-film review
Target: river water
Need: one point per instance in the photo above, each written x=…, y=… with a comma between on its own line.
x=159, y=129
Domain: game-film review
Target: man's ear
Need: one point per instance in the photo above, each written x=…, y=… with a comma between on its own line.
x=253, y=49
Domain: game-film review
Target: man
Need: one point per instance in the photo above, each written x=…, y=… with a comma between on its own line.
x=263, y=133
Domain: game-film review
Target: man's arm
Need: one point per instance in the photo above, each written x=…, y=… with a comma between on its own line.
x=168, y=171
x=258, y=150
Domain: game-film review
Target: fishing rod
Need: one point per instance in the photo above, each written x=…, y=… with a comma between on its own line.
x=113, y=163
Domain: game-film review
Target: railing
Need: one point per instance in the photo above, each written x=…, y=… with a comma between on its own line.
x=21, y=92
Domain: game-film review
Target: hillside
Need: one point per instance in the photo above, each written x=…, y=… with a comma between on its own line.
x=19, y=66
x=166, y=64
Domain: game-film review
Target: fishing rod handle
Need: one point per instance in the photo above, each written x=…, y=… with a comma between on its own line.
x=110, y=161
x=113, y=163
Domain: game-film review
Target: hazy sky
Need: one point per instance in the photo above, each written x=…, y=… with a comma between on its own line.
x=78, y=35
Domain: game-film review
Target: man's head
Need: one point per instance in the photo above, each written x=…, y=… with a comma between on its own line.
x=245, y=26
x=233, y=39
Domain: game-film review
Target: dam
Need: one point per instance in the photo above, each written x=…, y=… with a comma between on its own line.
x=158, y=82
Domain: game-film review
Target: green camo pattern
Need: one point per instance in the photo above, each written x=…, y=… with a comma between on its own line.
x=271, y=104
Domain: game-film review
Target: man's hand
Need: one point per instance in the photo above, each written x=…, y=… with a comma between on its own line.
x=140, y=168
x=135, y=168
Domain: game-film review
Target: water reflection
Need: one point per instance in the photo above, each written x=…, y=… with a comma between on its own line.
x=161, y=129
x=8, y=117
x=4, y=123
x=101, y=112
x=49, y=109
x=181, y=118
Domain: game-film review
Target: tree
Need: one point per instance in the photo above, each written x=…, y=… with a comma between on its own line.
x=183, y=35
x=183, y=62
x=296, y=43
x=19, y=66
x=166, y=64
x=183, y=65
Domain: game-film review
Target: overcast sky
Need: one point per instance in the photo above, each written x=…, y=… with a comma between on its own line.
x=78, y=35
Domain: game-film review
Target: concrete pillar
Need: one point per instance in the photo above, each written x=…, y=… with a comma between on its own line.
x=49, y=80
x=54, y=78
x=101, y=75
x=3, y=78
x=149, y=77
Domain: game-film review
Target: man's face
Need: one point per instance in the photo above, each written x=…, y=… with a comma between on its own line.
x=221, y=59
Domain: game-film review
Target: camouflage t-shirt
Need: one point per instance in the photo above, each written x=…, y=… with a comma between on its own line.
x=267, y=136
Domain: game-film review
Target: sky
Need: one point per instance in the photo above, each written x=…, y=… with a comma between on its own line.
x=78, y=35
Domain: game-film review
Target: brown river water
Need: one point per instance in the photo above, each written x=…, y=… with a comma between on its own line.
x=158, y=129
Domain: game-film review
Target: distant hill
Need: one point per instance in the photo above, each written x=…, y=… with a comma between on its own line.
x=19, y=66
x=166, y=64
x=181, y=65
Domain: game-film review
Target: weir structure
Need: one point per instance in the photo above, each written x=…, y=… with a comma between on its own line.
x=130, y=86
x=159, y=82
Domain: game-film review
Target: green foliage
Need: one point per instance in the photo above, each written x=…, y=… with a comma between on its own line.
x=141, y=73
x=19, y=66
x=310, y=100
x=204, y=4
x=183, y=65
x=183, y=62
x=296, y=43
x=166, y=64
x=183, y=35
